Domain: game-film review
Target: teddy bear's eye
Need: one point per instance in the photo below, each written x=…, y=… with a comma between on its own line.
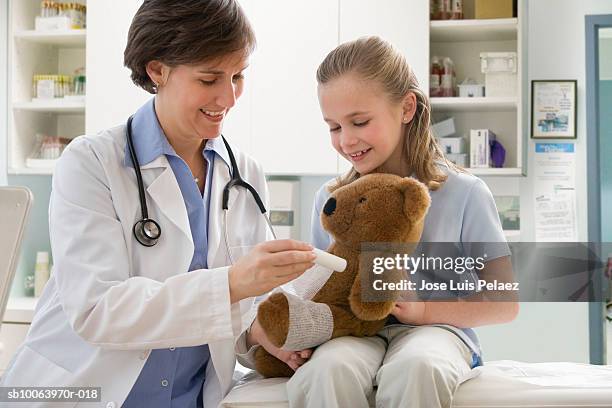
x=362, y=200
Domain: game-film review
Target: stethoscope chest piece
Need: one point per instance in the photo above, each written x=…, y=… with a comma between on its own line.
x=147, y=232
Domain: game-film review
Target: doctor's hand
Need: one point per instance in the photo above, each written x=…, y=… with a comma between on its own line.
x=267, y=266
x=294, y=359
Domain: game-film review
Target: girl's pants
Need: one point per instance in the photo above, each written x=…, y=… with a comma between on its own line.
x=411, y=367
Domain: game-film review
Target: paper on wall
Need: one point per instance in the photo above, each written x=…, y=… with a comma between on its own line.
x=555, y=192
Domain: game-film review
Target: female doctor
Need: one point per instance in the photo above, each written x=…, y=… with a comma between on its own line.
x=148, y=310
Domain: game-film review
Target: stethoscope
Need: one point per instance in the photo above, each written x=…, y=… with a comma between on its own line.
x=147, y=231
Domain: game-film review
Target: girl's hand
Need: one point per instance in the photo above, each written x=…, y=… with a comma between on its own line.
x=293, y=359
x=410, y=312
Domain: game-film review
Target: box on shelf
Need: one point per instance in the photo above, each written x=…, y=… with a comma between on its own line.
x=452, y=144
x=460, y=159
x=444, y=128
x=485, y=9
x=480, y=150
x=41, y=163
x=500, y=73
x=56, y=23
x=471, y=90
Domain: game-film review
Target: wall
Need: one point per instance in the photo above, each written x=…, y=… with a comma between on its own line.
x=556, y=50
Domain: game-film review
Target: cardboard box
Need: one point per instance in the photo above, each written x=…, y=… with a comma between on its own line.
x=500, y=73
x=460, y=159
x=452, y=145
x=485, y=9
x=480, y=150
x=444, y=128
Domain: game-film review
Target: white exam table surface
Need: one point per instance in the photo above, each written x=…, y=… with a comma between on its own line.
x=507, y=384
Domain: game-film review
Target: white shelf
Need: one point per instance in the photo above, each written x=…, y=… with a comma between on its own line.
x=501, y=29
x=485, y=104
x=58, y=105
x=20, y=309
x=502, y=171
x=64, y=38
x=19, y=171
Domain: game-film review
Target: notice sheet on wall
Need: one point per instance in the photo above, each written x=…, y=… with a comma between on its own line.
x=555, y=192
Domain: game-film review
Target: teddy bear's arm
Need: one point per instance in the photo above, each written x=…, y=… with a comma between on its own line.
x=366, y=302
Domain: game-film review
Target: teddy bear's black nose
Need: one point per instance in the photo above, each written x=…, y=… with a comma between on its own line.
x=330, y=206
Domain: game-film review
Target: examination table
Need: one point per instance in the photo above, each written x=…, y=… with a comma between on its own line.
x=496, y=384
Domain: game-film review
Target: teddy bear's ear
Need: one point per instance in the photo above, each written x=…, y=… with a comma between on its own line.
x=416, y=198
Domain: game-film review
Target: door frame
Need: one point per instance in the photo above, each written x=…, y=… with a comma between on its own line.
x=597, y=337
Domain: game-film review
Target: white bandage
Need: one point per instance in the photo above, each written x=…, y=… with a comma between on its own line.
x=330, y=261
x=310, y=324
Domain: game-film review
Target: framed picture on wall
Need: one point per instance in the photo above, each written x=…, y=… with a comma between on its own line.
x=553, y=109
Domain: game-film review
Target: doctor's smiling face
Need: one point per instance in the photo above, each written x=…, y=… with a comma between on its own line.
x=193, y=100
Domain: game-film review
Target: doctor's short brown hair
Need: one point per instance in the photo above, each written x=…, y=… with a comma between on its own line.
x=177, y=32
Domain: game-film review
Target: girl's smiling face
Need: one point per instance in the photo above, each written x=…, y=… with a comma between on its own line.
x=366, y=127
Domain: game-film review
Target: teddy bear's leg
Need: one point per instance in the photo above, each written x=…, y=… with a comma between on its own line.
x=273, y=316
x=369, y=310
x=292, y=323
x=269, y=366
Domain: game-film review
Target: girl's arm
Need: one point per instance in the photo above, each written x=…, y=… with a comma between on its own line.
x=483, y=308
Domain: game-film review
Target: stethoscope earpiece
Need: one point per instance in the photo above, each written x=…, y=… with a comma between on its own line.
x=147, y=232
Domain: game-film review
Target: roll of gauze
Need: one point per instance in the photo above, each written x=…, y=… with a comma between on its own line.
x=333, y=262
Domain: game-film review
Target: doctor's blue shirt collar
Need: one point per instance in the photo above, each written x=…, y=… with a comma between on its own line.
x=150, y=142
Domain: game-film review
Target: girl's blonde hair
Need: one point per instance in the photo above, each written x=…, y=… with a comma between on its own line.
x=374, y=59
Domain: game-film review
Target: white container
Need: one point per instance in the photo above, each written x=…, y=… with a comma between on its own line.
x=444, y=128
x=471, y=90
x=460, y=159
x=41, y=272
x=451, y=145
x=480, y=150
x=500, y=73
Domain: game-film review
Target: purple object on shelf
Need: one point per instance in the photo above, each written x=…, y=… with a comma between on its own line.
x=498, y=153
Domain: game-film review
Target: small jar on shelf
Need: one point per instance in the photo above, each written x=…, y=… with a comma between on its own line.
x=446, y=9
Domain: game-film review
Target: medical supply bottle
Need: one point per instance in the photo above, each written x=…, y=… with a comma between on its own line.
x=41, y=272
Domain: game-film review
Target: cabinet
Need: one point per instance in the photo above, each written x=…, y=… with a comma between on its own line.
x=287, y=131
x=278, y=120
x=405, y=24
x=463, y=41
x=111, y=95
x=34, y=52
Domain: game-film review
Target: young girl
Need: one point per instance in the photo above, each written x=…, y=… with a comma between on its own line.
x=379, y=121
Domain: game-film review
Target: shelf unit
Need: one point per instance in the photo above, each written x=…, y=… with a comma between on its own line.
x=33, y=52
x=463, y=41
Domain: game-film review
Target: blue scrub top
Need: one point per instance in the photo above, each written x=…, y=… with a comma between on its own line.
x=174, y=377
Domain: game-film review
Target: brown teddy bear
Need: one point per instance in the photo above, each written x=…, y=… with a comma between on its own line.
x=376, y=208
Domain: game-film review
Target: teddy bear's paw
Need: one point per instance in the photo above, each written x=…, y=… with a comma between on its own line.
x=269, y=366
x=273, y=316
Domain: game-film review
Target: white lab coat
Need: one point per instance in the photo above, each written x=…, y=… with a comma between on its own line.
x=111, y=300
